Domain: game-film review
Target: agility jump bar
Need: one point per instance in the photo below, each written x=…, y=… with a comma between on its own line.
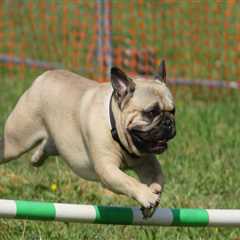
x=47, y=211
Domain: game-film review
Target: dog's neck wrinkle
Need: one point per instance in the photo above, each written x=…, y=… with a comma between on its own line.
x=116, y=126
x=107, y=104
x=117, y=116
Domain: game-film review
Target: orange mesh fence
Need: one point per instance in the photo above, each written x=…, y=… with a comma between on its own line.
x=199, y=39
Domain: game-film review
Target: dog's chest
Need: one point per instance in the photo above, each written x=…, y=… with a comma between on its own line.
x=129, y=162
x=82, y=166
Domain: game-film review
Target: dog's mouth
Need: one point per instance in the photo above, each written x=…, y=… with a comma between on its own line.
x=159, y=147
x=146, y=143
x=152, y=140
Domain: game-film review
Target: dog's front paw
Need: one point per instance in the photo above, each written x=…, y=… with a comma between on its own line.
x=149, y=211
x=156, y=188
x=149, y=200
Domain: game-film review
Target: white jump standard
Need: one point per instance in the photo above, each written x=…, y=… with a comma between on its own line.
x=117, y=215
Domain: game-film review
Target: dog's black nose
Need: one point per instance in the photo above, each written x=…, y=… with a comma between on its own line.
x=169, y=130
x=168, y=124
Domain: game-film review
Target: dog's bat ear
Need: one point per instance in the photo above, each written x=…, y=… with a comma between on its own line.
x=123, y=86
x=162, y=72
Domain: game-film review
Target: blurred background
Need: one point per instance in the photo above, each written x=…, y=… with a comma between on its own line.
x=200, y=40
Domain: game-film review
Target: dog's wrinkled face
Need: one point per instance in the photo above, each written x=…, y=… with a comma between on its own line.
x=147, y=111
x=152, y=125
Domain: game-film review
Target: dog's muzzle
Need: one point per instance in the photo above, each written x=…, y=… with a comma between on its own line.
x=156, y=139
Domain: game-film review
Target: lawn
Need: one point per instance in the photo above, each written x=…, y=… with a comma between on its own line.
x=201, y=168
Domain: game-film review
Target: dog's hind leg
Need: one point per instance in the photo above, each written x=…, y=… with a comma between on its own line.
x=44, y=150
x=20, y=139
x=23, y=129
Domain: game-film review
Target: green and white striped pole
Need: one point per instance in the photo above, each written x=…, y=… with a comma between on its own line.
x=117, y=215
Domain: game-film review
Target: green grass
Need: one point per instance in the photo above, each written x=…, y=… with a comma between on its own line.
x=201, y=168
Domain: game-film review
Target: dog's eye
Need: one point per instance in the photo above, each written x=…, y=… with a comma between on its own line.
x=150, y=114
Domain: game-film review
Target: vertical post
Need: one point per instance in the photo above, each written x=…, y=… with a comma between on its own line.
x=108, y=36
x=100, y=37
x=104, y=45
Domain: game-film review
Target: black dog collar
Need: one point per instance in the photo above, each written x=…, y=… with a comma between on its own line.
x=114, y=130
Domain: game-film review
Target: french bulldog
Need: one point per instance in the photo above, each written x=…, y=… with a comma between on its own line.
x=99, y=129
